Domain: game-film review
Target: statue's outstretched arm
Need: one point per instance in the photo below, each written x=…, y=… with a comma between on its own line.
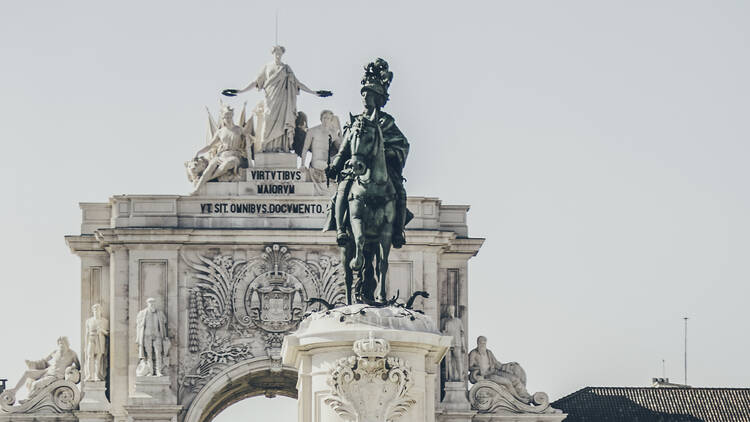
x=304, y=87
x=321, y=93
x=251, y=85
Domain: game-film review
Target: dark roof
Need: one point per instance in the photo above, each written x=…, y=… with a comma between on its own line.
x=649, y=404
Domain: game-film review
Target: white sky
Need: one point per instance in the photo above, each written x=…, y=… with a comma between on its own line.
x=603, y=146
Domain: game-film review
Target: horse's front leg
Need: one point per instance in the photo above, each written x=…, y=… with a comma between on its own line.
x=346, y=255
x=384, y=249
x=355, y=221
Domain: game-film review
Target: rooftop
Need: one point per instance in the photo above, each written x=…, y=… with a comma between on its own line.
x=656, y=404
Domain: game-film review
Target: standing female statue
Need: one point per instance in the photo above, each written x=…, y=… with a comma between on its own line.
x=281, y=86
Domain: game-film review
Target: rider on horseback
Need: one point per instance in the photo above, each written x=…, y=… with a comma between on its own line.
x=374, y=91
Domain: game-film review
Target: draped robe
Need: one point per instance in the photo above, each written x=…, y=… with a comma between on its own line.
x=279, y=106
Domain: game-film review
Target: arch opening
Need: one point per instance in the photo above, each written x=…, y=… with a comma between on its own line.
x=260, y=409
x=239, y=382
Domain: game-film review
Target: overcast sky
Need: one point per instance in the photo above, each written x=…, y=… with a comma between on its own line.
x=602, y=146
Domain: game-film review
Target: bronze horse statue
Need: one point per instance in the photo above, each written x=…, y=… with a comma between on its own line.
x=371, y=211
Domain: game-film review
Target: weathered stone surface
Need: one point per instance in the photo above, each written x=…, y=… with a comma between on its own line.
x=94, y=398
x=321, y=350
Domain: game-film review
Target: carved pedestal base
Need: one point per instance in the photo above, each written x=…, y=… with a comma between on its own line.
x=60, y=396
x=152, y=413
x=94, y=397
x=455, y=396
x=84, y=416
x=494, y=403
x=152, y=391
x=360, y=363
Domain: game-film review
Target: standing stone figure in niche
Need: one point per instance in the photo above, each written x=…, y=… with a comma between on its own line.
x=61, y=364
x=226, y=151
x=97, y=331
x=454, y=361
x=483, y=365
x=276, y=129
x=151, y=338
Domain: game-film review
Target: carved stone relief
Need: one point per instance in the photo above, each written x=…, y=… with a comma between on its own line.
x=51, y=384
x=240, y=309
x=370, y=386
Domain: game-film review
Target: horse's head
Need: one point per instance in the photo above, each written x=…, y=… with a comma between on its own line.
x=364, y=143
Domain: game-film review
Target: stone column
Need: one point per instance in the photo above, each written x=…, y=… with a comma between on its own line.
x=367, y=364
x=119, y=344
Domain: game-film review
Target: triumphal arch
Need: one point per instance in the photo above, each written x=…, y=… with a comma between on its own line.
x=186, y=299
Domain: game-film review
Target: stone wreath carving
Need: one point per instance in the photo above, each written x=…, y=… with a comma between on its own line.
x=371, y=386
x=239, y=309
x=60, y=396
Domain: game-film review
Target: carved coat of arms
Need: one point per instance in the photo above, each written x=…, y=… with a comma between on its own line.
x=246, y=306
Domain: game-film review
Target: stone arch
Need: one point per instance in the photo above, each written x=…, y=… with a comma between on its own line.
x=238, y=382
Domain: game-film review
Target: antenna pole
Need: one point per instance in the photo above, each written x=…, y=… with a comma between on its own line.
x=686, y=321
x=664, y=368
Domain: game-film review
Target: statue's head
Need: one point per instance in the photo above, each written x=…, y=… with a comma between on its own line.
x=151, y=304
x=96, y=310
x=452, y=311
x=196, y=167
x=277, y=51
x=326, y=118
x=375, y=83
x=481, y=342
x=227, y=114
x=63, y=344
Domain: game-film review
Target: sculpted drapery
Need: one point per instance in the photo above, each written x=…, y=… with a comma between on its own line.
x=279, y=105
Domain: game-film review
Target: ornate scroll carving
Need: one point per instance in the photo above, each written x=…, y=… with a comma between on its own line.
x=501, y=387
x=241, y=309
x=489, y=397
x=51, y=383
x=58, y=397
x=370, y=387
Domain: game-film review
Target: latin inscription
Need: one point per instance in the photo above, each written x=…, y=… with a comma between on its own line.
x=260, y=208
x=276, y=175
x=276, y=189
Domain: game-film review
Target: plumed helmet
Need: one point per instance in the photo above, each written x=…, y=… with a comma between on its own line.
x=377, y=78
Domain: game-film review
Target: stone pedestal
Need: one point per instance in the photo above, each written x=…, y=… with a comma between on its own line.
x=152, y=413
x=152, y=391
x=366, y=364
x=84, y=416
x=94, y=397
x=455, y=396
x=276, y=159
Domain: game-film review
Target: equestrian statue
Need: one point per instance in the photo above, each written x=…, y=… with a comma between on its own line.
x=369, y=211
